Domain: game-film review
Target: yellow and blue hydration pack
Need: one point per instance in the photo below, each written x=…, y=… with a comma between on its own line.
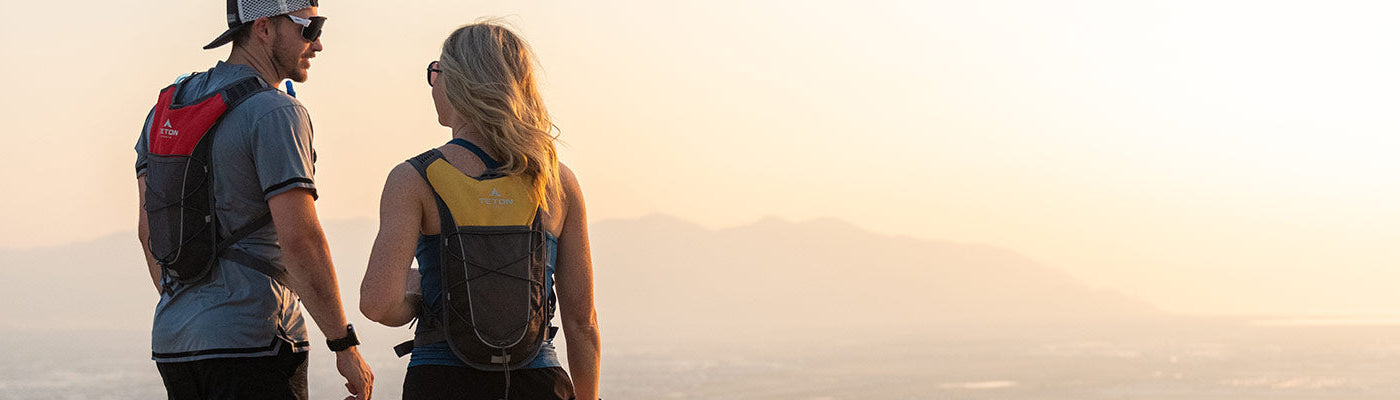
x=495, y=307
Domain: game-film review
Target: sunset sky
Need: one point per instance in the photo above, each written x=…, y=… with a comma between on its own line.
x=1209, y=157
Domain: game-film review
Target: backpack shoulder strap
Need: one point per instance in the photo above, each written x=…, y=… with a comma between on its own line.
x=486, y=159
x=234, y=94
x=422, y=161
x=226, y=250
x=429, y=329
x=238, y=91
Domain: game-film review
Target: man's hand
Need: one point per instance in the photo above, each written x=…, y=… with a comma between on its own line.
x=312, y=276
x=358, y=379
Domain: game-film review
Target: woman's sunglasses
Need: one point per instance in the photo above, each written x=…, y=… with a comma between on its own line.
x=310, y=27
x=433, y=72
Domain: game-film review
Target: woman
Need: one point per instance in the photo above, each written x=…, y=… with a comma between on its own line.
x=484, y=89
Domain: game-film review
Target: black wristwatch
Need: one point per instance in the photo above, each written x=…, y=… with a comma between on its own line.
x=346, y=342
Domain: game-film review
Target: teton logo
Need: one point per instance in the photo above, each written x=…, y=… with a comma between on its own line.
x=168, y=130
x=499, y=202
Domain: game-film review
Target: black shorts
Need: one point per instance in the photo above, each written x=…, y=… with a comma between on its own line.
x=434, y=382
x=279, y=377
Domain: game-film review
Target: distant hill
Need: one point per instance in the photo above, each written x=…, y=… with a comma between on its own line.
x=98, y=284
x=655, y=275
x=103, y=283
x=661, y=274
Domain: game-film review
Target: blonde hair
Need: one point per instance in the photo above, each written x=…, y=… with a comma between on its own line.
x=490, y=81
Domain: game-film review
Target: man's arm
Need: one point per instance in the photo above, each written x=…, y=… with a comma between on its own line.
x=143, y=233
x=311, y=275
x=308, y=260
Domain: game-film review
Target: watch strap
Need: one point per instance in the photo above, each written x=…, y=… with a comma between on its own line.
x=350, y=340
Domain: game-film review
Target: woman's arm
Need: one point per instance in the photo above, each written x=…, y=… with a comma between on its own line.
x=575, y=286
x=400, y=220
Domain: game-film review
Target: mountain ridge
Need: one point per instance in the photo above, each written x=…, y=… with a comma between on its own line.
x=655, y=272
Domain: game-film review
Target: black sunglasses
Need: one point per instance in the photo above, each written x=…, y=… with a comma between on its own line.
x=432, y=72
x=310, y=27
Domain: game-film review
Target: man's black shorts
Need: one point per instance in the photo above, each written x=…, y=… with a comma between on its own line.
x=278, y=377
x=434, y=382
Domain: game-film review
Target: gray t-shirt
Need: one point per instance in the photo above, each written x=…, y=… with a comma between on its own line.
x=261, y=149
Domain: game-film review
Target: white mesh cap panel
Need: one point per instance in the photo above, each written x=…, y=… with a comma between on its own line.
x=249, y=10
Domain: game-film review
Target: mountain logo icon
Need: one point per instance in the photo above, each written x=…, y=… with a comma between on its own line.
x=168, y=130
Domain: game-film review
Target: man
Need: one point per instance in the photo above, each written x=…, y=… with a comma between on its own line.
x=239, y=333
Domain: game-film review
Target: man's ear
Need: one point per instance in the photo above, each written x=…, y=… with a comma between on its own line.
x=262, y=30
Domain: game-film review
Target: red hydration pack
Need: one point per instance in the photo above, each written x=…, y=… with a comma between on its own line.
x=184, y=229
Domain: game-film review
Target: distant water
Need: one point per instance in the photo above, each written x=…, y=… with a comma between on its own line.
x=1240, y=363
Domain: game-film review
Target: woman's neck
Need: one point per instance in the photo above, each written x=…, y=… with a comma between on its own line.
x=469, y=134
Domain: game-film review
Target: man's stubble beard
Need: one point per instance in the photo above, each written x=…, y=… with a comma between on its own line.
x=290, y=67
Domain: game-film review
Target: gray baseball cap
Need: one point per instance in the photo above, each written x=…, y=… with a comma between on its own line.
x=241, y=12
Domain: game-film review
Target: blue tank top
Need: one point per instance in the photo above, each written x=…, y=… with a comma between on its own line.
x=440, y=353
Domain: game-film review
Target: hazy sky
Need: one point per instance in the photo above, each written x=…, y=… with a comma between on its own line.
x=1205, y=156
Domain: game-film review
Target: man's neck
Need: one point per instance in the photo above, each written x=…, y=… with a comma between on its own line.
x=261, y=64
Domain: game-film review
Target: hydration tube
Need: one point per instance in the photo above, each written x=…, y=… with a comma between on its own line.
x=290, y=91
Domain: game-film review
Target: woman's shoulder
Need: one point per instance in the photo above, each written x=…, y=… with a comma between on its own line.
x=403, y=179
x=568, y=181
x=571, y=193
x=403, y=172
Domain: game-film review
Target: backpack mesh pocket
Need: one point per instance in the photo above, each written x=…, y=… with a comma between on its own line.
x=178, y=210
x=494, y=277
